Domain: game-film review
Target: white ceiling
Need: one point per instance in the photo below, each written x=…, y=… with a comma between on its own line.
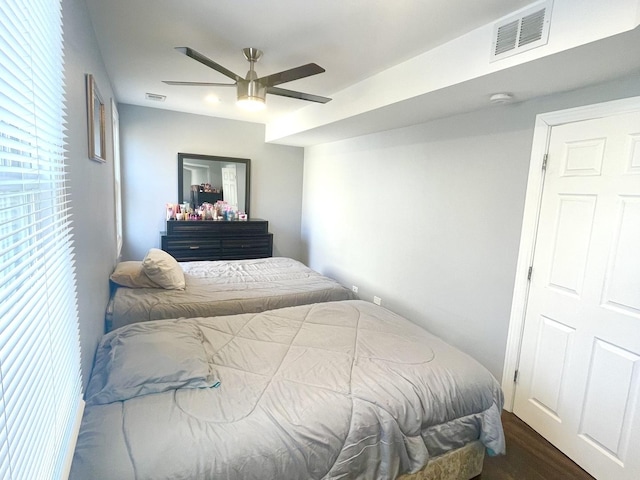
x=352, y=39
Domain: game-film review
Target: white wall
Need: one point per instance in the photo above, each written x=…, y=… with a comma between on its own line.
x=428, y=217
x=91, y=183
x=151, y=139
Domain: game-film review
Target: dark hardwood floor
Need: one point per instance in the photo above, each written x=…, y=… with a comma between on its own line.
x=529, y=457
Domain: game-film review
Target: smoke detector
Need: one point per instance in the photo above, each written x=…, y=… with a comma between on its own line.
x=500, y=98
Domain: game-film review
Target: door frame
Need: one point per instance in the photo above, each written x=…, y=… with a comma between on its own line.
x=541, y=135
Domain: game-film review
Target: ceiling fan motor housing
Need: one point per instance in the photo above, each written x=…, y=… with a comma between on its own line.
x=251, y=89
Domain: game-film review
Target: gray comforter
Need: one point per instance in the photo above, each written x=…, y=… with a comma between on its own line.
x=338, y=390
x=226, y=288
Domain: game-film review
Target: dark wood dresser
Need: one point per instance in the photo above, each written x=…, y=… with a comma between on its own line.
x=217, y=240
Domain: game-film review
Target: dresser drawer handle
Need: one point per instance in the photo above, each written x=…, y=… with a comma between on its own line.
x=196, y=247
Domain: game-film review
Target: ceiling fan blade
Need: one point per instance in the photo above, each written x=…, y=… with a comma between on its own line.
x=291, y=74
x=190, y=52
x=299, y=95
x=198, y=84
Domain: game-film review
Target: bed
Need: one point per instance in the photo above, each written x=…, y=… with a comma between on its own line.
x=336, y=390
x=212, y=288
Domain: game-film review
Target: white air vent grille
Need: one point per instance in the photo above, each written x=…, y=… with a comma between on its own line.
x=506, y=37
x=155, y=97
x=531, y=27
x=522, y=31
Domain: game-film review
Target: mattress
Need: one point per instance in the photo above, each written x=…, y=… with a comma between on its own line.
x=336, y=390
x=224, y=288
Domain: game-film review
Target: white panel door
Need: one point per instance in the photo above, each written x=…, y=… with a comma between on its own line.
x=230, y=186
x=579, y=371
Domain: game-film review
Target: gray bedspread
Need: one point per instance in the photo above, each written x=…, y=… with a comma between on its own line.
x=338, y=390
x=226, y=288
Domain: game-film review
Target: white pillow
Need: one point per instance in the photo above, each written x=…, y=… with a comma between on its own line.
x=130, y=274
x=149, y=357
x=163, y=269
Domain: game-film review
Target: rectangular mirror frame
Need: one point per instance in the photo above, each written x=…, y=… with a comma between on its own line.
x=95, y=122
x=212, y=158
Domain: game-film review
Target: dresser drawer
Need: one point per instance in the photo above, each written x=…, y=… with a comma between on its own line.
x=216, y=228
x=256, y=246
x=190, y=249
x=193, y=255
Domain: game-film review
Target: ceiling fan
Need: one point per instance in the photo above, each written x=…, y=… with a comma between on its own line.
x=252, y=90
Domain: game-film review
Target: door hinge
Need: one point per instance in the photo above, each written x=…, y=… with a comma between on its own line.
x=530, y=272
x=515, y=376
x=544, y=161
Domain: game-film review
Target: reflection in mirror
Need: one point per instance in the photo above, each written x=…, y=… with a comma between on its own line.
x=208, y=178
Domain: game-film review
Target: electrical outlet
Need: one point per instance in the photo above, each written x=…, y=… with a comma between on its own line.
x=354, y=289
x=377, y=300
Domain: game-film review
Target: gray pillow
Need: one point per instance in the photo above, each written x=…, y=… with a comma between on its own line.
x=163, y=269
x=130, y=274
x=149, y=357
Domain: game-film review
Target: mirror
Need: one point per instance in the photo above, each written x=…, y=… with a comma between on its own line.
x=208, y=178
x=95, y=121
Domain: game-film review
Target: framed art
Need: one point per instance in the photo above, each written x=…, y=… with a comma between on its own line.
x=95, y=122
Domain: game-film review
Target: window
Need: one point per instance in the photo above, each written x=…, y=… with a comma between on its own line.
x=40, y=379
x=115, y=123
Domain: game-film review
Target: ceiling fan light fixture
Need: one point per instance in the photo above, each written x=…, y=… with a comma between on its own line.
x=252, y=104
x=251, y=93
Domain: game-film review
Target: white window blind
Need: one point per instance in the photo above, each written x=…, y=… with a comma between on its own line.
x=39, y=343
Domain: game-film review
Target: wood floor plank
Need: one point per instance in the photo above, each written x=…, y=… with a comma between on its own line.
x=529, y=457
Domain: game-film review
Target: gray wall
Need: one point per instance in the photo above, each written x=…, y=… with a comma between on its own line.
x=428, y=217
x=91, y=183
x=151, y=139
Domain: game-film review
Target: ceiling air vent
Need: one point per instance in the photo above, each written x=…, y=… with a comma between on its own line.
x=522, y=31
x=155, y=97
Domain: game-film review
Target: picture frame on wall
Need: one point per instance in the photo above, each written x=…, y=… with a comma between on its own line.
x=95, y=122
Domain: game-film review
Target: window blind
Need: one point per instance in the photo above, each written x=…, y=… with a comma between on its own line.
x=40, y=377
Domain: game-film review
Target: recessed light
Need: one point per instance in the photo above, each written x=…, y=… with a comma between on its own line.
x=211, y=98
